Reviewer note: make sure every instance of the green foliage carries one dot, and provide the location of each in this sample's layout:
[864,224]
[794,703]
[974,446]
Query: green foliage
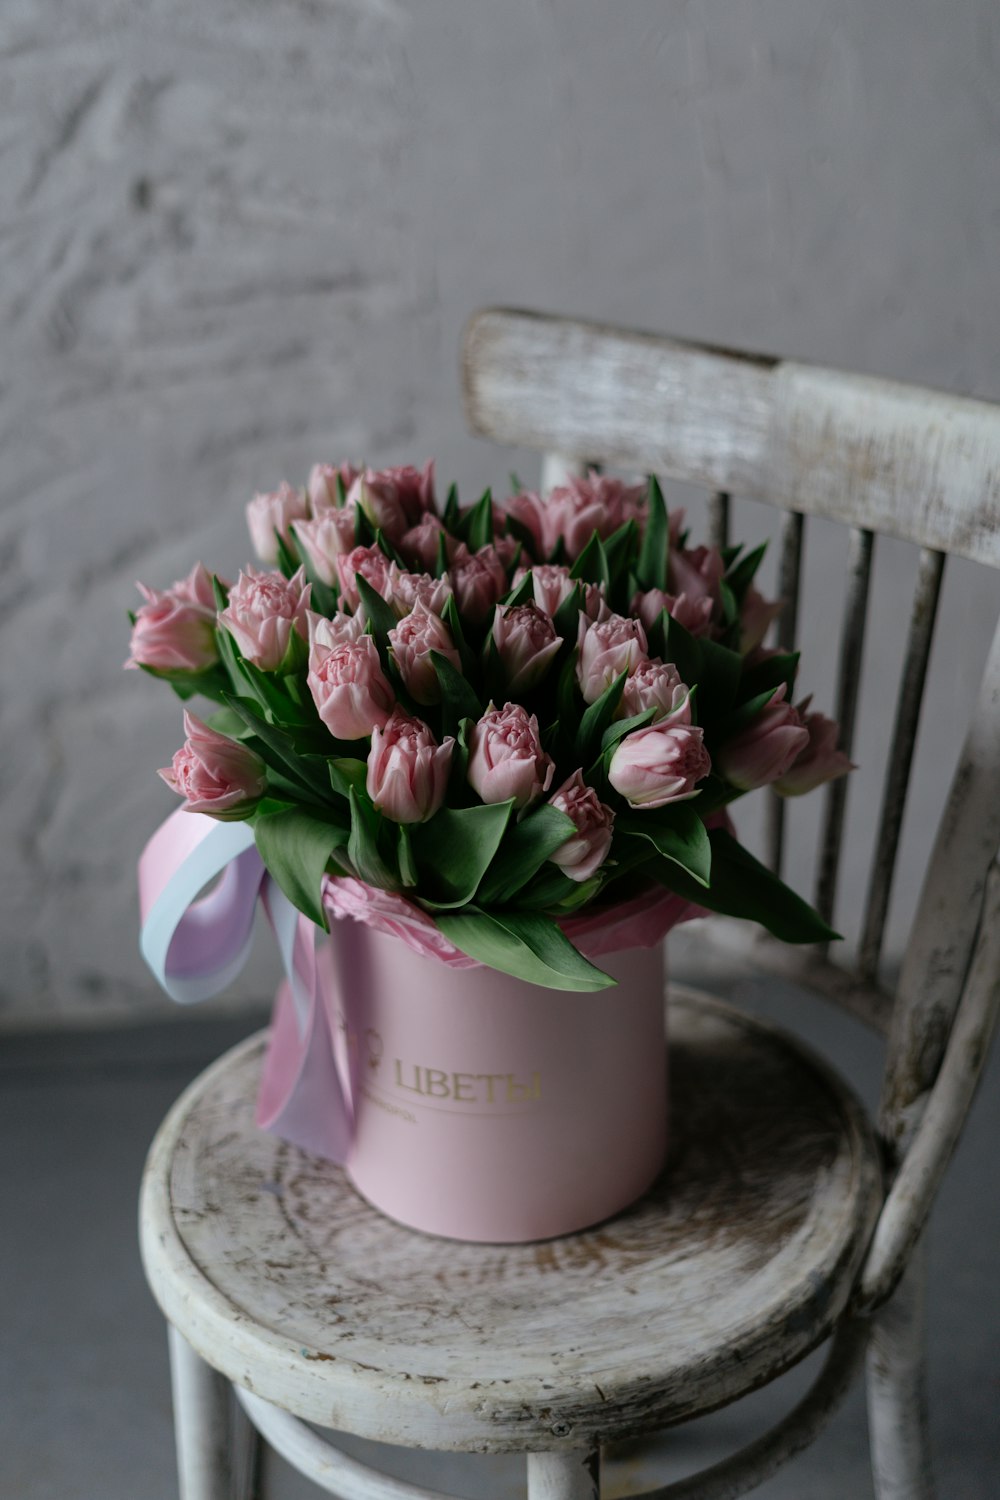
[528,945]
[653,560]
[371,845]
[596,719]
[296,845]
[455,848]
[525,848]
[742,887]
[676,832]
[458,699]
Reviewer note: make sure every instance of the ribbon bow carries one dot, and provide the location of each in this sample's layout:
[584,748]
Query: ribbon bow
[196,945]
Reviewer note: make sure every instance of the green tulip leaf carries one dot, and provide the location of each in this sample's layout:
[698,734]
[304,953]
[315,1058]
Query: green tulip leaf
[455,848]
[295,845]
[525,944]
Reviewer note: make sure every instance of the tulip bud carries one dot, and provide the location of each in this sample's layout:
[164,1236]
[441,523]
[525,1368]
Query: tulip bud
[586,850]
[756,615]
[214,774]
[819,761]
[378,497]
[479,580]
[263,610]
[607,649]
[349,688]
[582,506]
[526,642]
[371,563]
[506,758]
[335,630]
[552,586]
[404,591]
[696,573]
[656,684]
[767,748]
[322,541]
[420,544]
[274,513]
[414,638]
[174,630]
[696,615]
[407,769]
[324,493]
[661,764]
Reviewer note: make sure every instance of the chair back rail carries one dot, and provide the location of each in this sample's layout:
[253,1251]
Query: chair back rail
[880,456]
[877,454]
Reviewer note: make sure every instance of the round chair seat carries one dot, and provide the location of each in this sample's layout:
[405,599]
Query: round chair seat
[737,1262]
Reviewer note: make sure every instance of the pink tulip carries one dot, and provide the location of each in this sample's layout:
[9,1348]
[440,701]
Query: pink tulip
[174,630]
[349,688]
[585,851]
[479,580]
[819,761]
[696,573]
[661,764]
[607,649]
[526,642]
[214,774]
[756,615]
[414,638]
[528,508]
[335,630]
[322,541]
[323,490]
[767,748]
[552,586]
[580,507]
[506,758]
[379,499]
[263,611]
[420,544]
[658,685]
[197,588]
[371,563]
[404,591]
[413,488]
[407,769]
[271,515]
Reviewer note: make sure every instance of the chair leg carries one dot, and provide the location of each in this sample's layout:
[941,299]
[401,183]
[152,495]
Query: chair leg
[897,1396]
[572,1475]
[202,1425]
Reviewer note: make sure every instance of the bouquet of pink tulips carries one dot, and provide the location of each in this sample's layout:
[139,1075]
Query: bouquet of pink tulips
[498,714]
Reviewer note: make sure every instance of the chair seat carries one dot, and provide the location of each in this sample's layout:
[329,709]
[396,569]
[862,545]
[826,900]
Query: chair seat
[737,1262]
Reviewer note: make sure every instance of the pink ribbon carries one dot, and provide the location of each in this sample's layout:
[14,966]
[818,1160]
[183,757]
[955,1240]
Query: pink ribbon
[196,945]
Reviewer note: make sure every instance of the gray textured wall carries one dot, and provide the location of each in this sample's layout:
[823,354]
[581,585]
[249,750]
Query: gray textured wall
[238,238]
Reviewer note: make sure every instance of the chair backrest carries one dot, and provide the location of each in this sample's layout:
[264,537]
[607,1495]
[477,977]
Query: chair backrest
[879,456]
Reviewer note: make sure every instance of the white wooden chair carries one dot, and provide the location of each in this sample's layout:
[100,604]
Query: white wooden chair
[786,1218]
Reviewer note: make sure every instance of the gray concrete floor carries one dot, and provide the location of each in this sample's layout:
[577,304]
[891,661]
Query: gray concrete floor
[84,1393]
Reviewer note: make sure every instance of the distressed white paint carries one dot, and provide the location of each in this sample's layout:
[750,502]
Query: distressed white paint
[897,1393]
[201,1424]
[283,1278]
[913,464]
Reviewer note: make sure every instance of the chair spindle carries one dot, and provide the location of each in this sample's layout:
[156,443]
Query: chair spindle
[789,564]
[859,561]
[911,689]
[718,519]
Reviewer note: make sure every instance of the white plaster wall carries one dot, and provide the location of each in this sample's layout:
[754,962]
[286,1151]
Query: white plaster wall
[240,237]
